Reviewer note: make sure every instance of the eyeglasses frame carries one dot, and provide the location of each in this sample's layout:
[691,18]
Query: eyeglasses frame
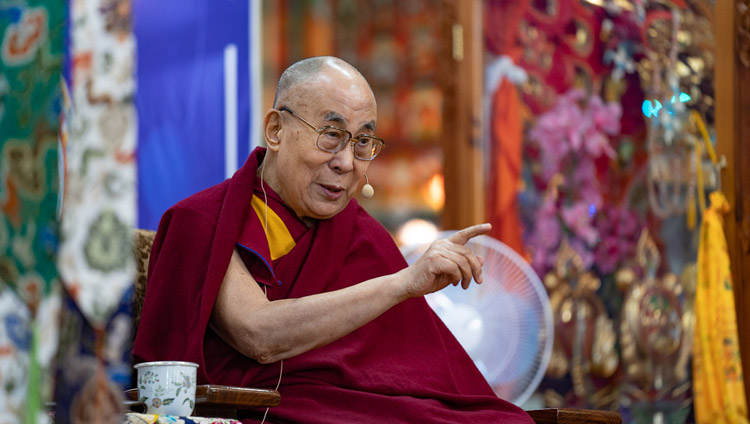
[343,145]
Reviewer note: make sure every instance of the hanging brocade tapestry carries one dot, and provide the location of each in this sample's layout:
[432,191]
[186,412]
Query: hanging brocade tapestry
[31,56]
[98,214]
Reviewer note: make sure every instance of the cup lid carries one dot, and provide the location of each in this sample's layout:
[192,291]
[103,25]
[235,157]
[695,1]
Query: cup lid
[165,364]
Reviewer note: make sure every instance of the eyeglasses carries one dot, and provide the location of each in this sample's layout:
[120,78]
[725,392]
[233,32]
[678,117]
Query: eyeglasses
[333,139]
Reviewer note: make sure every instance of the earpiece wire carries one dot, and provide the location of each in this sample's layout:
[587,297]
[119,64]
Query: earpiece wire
[265,289]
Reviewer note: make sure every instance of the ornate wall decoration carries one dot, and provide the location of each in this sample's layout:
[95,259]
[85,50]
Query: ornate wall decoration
[585,337]
[677,72]
[655,331]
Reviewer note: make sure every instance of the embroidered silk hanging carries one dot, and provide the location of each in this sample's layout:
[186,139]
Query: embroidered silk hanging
[31,56]
[96,261]
[717,367]
[99,203]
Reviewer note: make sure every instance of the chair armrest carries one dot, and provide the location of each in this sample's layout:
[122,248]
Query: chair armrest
[570,416]
[225,401]
[239,397]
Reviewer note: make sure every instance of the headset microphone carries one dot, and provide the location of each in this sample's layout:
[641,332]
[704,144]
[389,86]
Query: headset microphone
[367,190]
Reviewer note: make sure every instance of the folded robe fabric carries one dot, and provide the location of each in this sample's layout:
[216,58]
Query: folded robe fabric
[404,366]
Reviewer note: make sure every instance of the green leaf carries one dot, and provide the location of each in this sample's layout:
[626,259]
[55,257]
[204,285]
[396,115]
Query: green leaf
[143,399]
[178,391]
[168,401]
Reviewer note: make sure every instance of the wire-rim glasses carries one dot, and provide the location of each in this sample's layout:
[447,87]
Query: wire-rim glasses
[333,139]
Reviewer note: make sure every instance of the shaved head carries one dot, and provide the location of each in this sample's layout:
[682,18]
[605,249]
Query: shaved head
[305,71]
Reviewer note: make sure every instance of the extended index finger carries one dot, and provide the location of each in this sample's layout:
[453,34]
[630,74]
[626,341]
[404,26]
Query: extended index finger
[462,236]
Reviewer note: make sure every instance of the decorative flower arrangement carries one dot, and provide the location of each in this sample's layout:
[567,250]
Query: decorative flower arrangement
[619,229]
[573,143]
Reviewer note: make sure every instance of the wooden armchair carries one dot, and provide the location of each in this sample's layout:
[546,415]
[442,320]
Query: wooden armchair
[225,401]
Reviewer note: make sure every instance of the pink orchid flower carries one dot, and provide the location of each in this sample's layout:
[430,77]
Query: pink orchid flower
[578,219]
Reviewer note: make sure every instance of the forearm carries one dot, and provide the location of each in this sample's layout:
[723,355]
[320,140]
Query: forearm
[289,327]
[269,331]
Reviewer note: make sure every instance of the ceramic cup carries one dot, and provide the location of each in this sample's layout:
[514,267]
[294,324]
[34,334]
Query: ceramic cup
[167,387]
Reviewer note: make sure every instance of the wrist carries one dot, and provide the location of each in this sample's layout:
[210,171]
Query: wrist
[400,283]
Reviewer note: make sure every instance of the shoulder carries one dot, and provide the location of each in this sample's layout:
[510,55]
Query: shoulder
[371,237]
[366,225]
[204,205]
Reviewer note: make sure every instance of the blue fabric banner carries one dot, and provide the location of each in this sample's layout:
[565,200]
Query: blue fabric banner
[194,97]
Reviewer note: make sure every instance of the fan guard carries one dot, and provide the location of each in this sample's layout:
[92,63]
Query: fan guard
[504,324]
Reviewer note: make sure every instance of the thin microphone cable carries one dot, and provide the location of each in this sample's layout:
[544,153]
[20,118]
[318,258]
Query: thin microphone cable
[265,289]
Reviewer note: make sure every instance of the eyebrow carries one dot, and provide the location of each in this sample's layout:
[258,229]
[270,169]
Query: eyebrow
[335,117]
[370,126]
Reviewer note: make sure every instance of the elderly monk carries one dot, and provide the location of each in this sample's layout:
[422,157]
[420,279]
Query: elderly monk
[277,273]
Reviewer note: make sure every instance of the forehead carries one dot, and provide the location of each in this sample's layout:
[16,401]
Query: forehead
[333,95]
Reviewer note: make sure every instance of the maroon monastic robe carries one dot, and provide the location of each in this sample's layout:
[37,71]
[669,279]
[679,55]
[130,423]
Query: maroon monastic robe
[403,367]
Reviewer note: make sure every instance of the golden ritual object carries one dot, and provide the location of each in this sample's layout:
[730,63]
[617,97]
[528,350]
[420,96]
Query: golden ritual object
[653,327]
[584,333]
[677,69]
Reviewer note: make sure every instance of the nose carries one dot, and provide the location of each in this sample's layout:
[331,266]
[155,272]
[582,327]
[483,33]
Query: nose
[343,160]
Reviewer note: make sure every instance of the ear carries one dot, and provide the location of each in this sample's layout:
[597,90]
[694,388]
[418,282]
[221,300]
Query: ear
[272,129]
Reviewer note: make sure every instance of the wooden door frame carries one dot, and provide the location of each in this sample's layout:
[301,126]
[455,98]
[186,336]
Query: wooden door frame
[461,77]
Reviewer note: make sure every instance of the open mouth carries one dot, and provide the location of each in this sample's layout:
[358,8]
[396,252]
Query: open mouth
[332,188]
[332,192]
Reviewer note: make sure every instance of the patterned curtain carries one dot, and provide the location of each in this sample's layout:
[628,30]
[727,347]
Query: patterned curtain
[31,57]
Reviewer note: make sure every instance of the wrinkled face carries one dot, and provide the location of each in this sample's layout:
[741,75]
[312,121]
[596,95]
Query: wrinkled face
[312,182]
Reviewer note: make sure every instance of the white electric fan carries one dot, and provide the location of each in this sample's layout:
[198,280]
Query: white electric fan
[505,324]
